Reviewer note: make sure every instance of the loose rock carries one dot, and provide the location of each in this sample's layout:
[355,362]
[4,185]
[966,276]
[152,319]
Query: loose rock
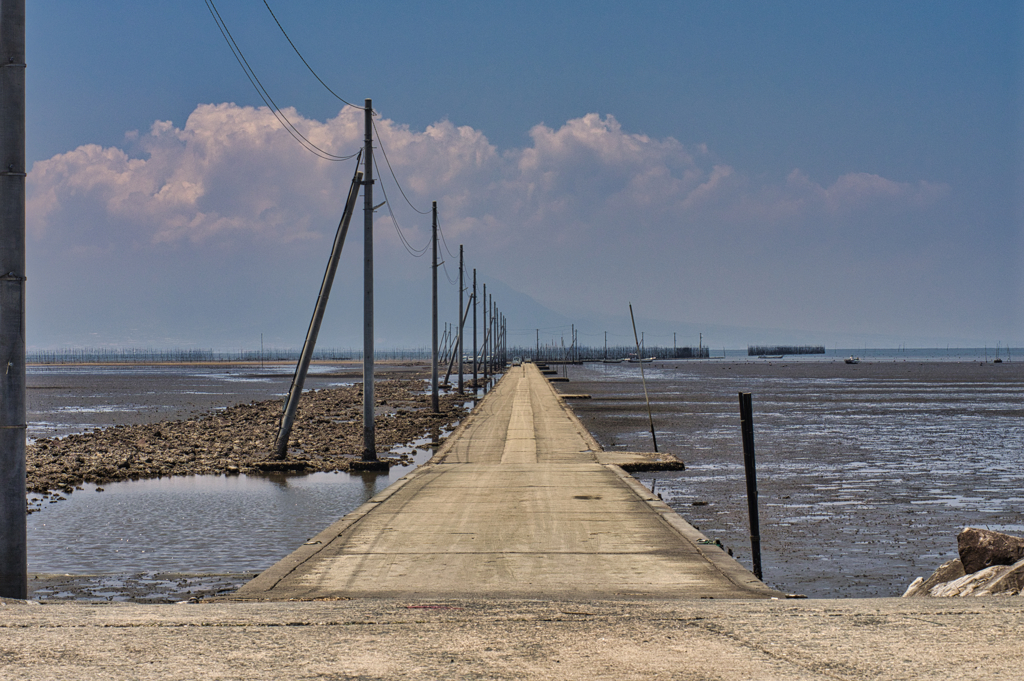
[980,549]
[238,439]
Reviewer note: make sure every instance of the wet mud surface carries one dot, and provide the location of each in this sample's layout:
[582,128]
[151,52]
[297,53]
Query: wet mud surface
[865,472]
[143,587]
[327,436]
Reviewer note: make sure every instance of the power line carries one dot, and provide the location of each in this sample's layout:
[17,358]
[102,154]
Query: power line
[380,143]
[285,33]
[414,252]
[454,281]
[262,91]
[441,232]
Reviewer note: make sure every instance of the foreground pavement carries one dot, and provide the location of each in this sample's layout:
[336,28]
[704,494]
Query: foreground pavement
[516,639]
[518,503]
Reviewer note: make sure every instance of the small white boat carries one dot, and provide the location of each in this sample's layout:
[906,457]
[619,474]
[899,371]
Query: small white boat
[852,360]
[633,359]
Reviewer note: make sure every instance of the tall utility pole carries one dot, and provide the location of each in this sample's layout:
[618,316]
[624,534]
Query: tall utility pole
[483,353]
[369,432]
[474,331]
[462,316]
[433,326]
[13,536]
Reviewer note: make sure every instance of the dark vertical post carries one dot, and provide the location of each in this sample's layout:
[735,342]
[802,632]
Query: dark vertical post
[462,317]
[483,353]
[13,536]
[475,350]
[369,431]
[747,426]
[433,325]
[643,379]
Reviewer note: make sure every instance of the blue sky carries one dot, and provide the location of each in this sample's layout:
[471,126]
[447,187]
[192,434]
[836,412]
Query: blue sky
[830,172]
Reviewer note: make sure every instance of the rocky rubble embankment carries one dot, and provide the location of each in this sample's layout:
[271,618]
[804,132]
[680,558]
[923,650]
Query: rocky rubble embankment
[327,436]
[989,563]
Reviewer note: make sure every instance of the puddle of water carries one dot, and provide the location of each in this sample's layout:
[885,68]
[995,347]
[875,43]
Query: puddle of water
[212,524]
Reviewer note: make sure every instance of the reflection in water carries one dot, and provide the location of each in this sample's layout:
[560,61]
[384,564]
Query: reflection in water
[214,524]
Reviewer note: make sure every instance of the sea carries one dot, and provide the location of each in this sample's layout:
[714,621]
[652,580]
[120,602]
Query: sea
[864,479]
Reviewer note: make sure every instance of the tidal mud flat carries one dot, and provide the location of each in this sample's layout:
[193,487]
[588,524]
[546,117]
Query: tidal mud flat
[866,472]
[327,435]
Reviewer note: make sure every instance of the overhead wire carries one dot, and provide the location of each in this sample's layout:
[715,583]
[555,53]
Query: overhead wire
[454,281]
[380,143]
[414,252]
[264,94]
[443,241]
[326,87]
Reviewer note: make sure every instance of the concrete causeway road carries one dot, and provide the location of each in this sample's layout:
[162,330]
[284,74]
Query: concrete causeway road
[520,502]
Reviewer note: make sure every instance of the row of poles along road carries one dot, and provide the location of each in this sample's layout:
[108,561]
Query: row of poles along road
[492,352]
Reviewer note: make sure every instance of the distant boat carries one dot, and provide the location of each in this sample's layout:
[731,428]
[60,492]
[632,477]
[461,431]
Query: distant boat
[611,361]
[770,356]
[852,360]
[632,359]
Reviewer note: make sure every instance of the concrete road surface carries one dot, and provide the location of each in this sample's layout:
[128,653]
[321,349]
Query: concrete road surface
[517,504]
[728,640]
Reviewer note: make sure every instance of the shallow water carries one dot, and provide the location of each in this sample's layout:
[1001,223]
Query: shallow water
[866,473]
[66,399]
[216,524]
[201,524]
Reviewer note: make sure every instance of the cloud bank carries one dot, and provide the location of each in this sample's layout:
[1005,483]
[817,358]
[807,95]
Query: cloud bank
[233,171]
[585,215]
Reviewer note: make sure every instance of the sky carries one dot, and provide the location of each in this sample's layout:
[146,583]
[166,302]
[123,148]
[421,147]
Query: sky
[843,173]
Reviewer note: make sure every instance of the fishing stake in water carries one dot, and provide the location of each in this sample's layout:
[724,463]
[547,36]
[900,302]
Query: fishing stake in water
[747,427]
[640,358]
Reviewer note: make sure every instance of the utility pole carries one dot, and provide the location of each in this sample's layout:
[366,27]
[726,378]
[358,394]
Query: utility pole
[433,325]
[13,533]
[537,356]
[606,345]
[462,317]
[673,345]
[474,332]
[369,431]
[483,351]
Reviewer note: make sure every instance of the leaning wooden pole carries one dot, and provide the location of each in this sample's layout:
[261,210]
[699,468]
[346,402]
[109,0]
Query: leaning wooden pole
[291,405]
